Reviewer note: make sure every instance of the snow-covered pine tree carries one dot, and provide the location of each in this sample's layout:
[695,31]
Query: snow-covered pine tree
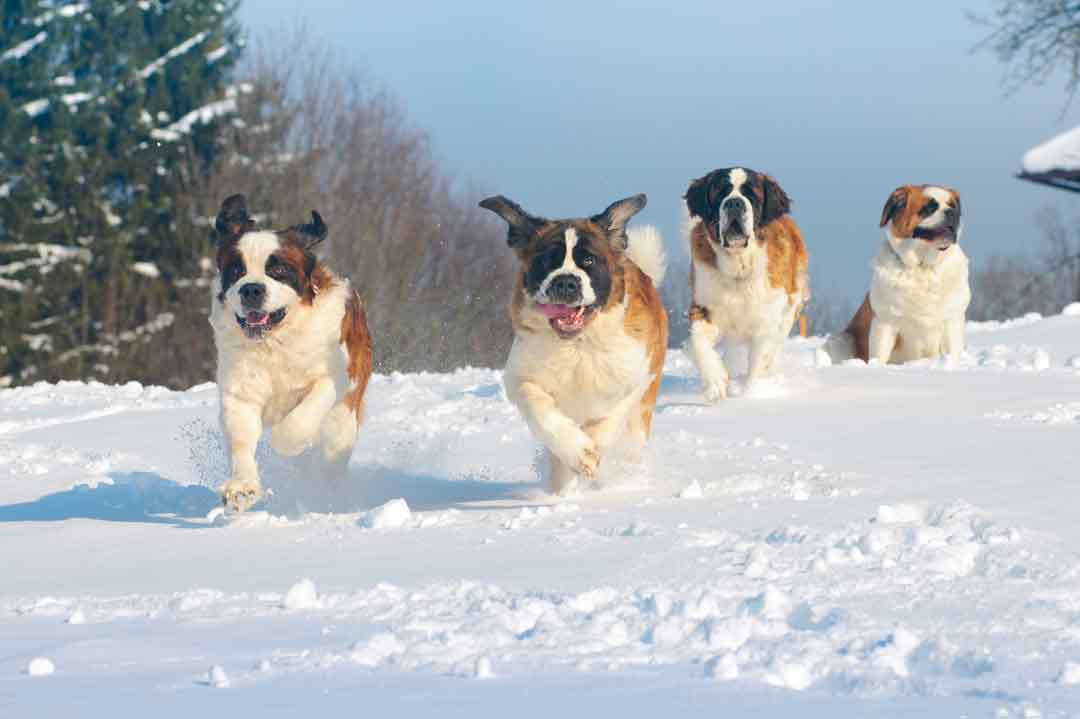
[110,113]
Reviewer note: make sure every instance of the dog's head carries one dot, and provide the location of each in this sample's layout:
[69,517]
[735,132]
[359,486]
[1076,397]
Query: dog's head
[571,268]
[922,221]
[264,275]
[733,203]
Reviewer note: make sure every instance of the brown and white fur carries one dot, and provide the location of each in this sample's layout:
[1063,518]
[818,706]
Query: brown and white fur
[748,274]
[293,349]
[590,333]
[919,290]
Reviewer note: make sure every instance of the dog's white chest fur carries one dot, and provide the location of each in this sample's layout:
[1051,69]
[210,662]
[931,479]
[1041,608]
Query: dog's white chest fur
[276,372]
[586,377]
[737,295]
[922,301]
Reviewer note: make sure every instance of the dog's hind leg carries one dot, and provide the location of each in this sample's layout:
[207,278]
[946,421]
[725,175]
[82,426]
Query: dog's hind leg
[299,429]
[337,435]
[604,431]
[763,354]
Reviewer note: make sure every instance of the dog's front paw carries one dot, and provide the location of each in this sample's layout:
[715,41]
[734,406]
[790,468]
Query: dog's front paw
[588,461]
[714,390]
[238,495]
[578,451]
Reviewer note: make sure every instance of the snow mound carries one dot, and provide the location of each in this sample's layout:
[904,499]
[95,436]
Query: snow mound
[217,678]
[392,515]
[40,667]
[1061,152]
[302,595]
[1070,673]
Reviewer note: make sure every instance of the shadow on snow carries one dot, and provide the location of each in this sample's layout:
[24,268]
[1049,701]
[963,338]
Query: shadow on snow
[131,497]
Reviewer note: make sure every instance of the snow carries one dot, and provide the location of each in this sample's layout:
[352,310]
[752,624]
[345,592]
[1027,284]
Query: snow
[1061,152]
[75,98]
[24,47]
[217,678]
[1070,673]
[200,115]
[175,52]
[65,11]
[72,10]
[36,107]
[302,595]
[216,54]
[392,515]
[146,269]
[859,541]
[40,667]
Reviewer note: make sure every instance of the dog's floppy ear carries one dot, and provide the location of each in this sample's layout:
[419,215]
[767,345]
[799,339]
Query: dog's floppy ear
[776,203]
[956,199]
[522,224]
[697,197]
[233,219]
[312,233]
[615,217]
[896,202]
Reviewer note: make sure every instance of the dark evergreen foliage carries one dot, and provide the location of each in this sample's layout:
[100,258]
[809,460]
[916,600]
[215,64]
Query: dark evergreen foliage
[110,113]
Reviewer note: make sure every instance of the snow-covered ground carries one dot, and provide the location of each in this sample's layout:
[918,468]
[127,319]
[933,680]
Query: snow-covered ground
[851,542]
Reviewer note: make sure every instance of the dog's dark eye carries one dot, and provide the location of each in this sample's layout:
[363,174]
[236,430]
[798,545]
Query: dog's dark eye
[588,261]
[929,208]
[277,271]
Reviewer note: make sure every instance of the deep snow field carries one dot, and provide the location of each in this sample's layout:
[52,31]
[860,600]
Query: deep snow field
[850,541]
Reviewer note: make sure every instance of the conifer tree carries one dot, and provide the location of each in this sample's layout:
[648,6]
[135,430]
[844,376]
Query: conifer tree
[110,114]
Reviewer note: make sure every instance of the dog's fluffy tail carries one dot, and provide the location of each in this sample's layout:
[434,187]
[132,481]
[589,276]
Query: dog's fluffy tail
[646,250]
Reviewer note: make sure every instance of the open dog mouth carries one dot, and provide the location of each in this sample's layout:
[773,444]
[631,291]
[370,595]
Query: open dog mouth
[256,322]
[733,237]
[567,320]
[944,236]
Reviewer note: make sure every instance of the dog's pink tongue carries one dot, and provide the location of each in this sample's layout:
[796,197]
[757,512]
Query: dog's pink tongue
[256,318]
[556,312]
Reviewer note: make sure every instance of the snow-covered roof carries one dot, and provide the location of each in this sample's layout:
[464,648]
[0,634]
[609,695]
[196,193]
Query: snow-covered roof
[1060,153]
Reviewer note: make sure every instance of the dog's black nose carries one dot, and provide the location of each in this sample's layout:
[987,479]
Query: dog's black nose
[565,289]
[734,206]
[252,294]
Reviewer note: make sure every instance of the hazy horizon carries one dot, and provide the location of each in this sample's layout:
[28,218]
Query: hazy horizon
[566,107]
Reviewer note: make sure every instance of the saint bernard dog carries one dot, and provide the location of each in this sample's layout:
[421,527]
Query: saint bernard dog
[293,349]
[919,290]
[748,276]
[590,333]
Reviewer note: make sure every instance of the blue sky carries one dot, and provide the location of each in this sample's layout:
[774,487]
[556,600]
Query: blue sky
[566,106]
